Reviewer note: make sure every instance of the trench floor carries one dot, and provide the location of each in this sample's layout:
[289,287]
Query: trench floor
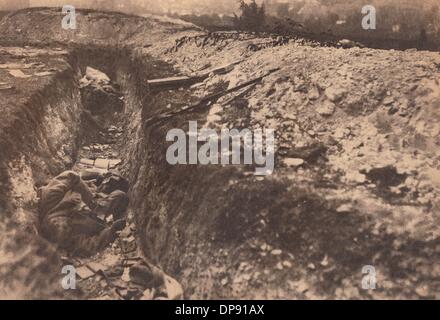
[105,276]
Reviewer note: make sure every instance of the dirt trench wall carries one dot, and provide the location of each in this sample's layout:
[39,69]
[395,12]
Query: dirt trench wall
[39,141]
[199,223]
[42,139]
[220,232]
[178,209]
[225,233]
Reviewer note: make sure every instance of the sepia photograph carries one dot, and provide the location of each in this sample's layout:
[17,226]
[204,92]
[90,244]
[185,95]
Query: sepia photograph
[219,150]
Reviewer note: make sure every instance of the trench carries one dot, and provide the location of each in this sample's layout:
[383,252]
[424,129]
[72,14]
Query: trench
[63,119]
[189,221]
[112,133]
[179,223]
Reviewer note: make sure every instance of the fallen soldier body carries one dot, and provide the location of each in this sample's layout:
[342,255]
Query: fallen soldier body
[68,213]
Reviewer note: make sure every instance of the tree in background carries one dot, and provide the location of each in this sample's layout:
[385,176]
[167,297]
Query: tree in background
[252,17]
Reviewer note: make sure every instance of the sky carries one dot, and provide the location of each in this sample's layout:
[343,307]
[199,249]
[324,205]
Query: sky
[209,6]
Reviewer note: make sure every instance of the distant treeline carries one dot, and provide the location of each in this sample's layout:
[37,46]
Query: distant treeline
[392,22]
[397,27]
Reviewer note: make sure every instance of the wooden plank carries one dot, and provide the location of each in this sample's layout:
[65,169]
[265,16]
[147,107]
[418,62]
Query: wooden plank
[168,81]
[174,82]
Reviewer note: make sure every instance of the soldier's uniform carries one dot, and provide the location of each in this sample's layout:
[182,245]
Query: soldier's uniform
[68,217]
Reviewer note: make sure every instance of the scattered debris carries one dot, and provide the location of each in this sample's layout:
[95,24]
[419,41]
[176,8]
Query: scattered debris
[293,162]
[17,73]
[325,261]
[356,177]
[276,252]
[114,163]
[5,86]
[16,66]
[126,275]
[87,162]
[388,101]
[43,74]
[96,266]
[335,93]
[314,93]
[345,208]
[327,108]
[102,163]
[97,76]
[84,272]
